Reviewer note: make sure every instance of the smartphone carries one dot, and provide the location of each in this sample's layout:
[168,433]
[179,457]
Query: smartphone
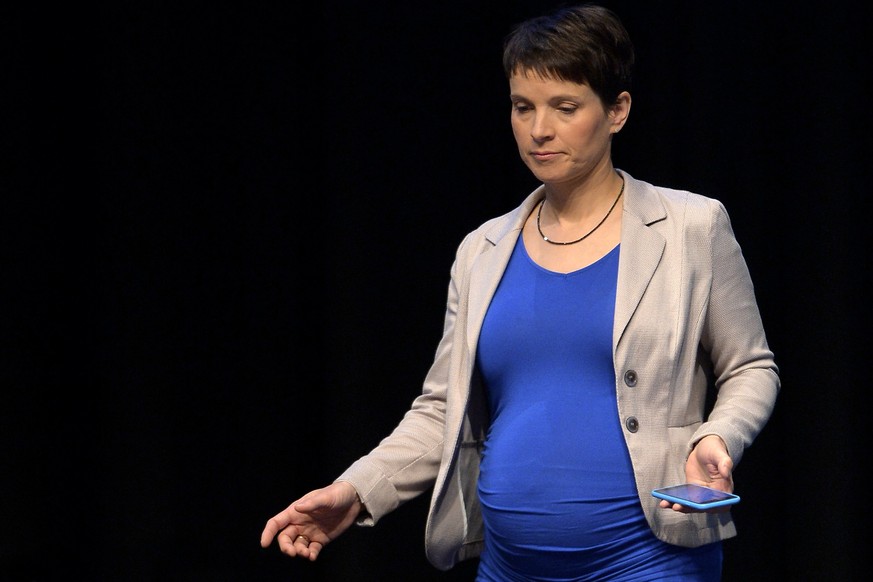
[696,496]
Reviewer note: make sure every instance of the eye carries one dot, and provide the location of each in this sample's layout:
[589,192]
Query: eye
[520,107]
[567,109]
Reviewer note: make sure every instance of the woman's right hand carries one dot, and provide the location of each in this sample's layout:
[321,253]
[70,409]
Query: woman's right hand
[313,521]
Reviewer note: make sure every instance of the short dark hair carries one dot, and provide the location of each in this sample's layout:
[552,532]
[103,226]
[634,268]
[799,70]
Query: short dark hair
[585,44]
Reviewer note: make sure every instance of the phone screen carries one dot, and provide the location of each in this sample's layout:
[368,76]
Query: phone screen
[695,495]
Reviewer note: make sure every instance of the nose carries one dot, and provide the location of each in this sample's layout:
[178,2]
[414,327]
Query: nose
[541,129]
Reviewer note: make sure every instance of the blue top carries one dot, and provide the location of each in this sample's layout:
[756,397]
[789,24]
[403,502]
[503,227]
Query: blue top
[556,485]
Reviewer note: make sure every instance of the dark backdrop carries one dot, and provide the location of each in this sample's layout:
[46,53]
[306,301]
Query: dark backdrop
[227,233]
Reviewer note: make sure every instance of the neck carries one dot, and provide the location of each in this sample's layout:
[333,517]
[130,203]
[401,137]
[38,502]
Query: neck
[578,201]
[566,225]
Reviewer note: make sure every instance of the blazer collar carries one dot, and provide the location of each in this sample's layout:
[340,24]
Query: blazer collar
[640,202]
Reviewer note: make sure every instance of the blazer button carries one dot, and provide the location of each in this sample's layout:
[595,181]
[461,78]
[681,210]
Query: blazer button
[632,423]
[630,378]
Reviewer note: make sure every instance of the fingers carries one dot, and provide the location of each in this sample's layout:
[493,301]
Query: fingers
[677,507]
[312,521]
[288,530]
[270,530]
[276,524]
[296,544]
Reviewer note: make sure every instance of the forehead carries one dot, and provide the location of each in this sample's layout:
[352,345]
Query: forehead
[531,84]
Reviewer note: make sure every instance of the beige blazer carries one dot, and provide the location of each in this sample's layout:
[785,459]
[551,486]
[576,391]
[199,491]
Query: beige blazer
[685,318]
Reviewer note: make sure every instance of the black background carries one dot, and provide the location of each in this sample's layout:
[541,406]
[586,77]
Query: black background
[226,238]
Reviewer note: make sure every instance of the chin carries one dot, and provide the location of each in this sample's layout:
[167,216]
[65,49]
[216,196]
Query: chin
[548,177]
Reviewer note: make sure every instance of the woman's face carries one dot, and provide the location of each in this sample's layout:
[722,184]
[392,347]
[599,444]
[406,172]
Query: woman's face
[562,129]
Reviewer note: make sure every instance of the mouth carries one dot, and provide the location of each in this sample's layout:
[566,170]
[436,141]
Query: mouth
[542,156]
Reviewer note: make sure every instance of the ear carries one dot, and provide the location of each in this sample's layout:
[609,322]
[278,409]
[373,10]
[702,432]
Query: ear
[619,112]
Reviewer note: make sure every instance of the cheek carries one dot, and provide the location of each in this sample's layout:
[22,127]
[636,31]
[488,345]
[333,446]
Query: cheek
[586,132]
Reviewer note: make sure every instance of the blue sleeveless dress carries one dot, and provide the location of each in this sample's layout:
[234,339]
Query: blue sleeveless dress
[556,485]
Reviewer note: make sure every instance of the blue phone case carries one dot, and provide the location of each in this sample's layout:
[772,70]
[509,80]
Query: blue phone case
[696,496]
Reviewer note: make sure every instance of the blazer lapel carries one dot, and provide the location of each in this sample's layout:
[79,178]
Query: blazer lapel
[641,250]
[489,265]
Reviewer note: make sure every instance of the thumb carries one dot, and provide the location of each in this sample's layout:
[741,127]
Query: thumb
[725,468]
[312,502]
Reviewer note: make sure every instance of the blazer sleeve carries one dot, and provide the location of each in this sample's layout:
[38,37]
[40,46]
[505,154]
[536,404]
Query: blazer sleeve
[745,373]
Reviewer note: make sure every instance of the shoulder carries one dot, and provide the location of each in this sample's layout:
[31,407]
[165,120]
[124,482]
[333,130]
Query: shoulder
[654,204]
[492,231]
[646,193]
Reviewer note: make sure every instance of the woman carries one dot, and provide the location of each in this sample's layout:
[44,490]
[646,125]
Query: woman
[584,331]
